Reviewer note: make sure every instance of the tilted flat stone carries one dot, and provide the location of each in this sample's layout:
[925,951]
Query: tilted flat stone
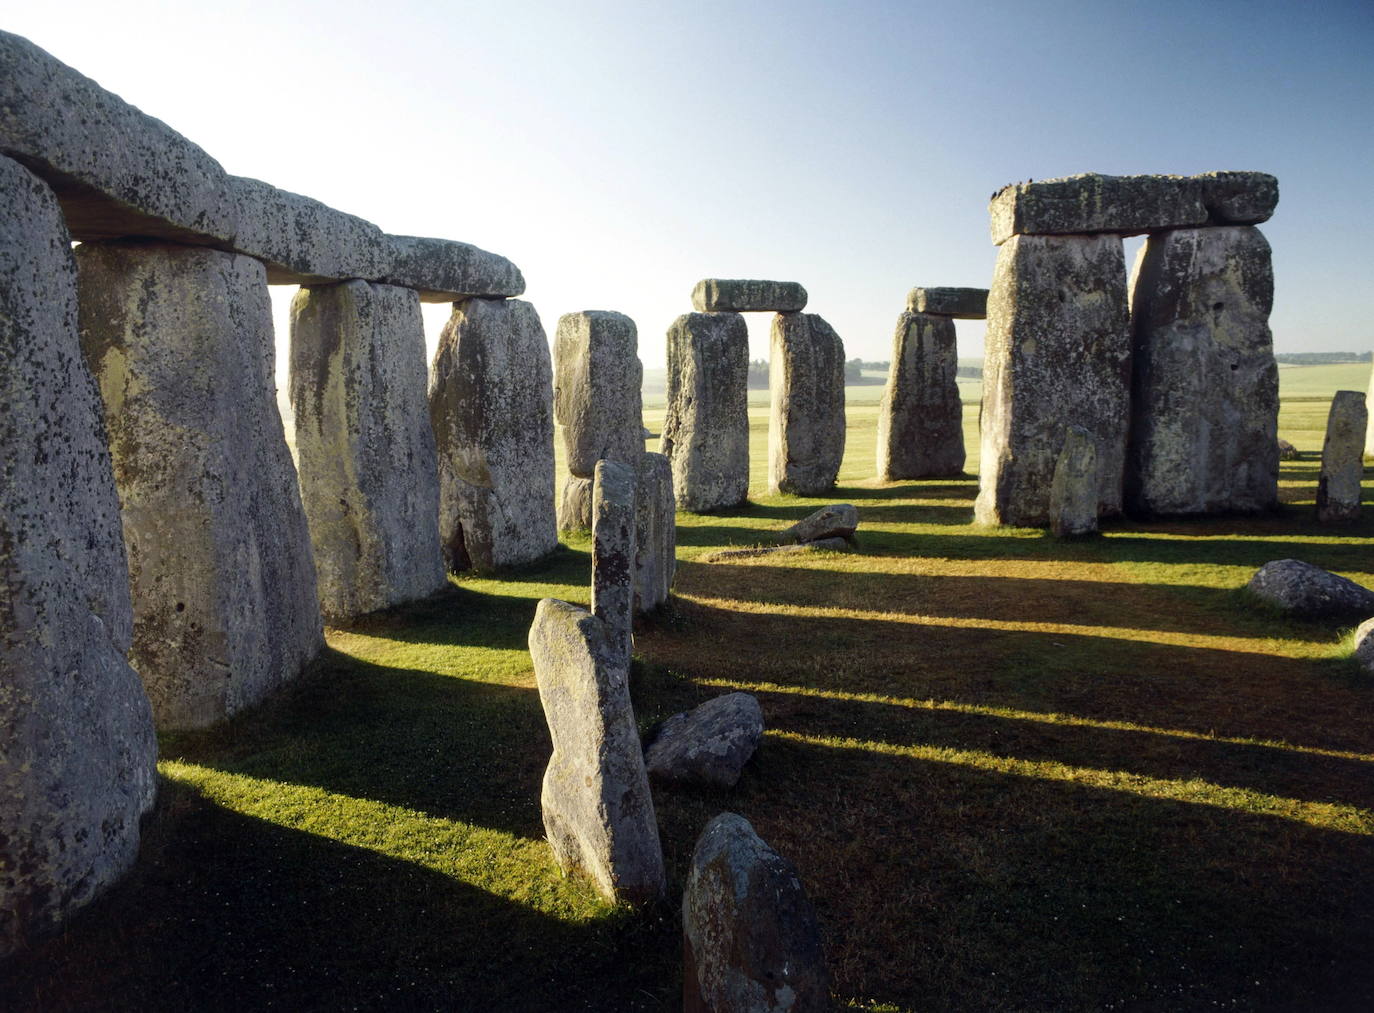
[491,406]
[1338,487]
[707,745]
[613,552]
[741,295]
[443,270]
[596,389]
[1364,646]
[920,417]
[77,748]
[365,449]
[806,422]
[833,544]
[1073,492]
[1238,198]
[1057,354]
[598,812]
[180,341]
[750,937]
[1204,383]
[706,430]
[1309,592]
[959,303]
[575,504]
[655,531]
[1091,202]
[838,520]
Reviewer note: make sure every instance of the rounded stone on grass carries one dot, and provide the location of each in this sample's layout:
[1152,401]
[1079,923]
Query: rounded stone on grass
[1364,646]
[1309,592]
[708,745]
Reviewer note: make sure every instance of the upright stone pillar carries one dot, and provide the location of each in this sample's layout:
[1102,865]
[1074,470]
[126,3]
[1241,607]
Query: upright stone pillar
[225,608]
[655,531]
[1338,488]
[77,749]
[1369,412]
[920,418]
[1205,386]
[806,423]
[369,477]
[1058,354]
[491,405]
[706,431]
[613,552]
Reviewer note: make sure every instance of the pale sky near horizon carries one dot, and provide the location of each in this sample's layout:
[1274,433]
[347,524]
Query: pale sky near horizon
[618,152]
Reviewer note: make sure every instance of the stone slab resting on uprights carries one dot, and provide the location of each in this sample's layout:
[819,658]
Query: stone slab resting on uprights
[747,295]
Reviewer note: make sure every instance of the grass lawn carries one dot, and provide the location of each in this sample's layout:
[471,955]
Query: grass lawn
[1013,772]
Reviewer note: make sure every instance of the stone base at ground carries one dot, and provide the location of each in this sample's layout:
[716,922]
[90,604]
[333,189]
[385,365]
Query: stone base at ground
[1073,493]
[1338,487]
[920,418]
[806,423]
[575,504]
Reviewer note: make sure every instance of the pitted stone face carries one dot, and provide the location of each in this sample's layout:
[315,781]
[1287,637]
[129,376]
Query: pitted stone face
[740,295]
[1073,493]
[921,418]
[806,421]
[1338,488]
[959,303]
[1091,203]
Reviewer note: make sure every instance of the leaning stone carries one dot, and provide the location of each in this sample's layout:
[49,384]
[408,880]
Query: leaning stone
[1238,198]
[1338,488]
[838,520]
[225,609]
[491,405]
[1058,353]
[806,423]
[737,295]
[596,389]
[598,813]
[708,745]
[575,504]
[1309,592]
[750,937]
[1364,646]
[613,551]
[1288,452]
[301,240]
[920,417]
[1205,386]
[77,748]
[1091,203]
[1073,493]
[443,270]
[706,431]
[655,531]
[958,303]
[365,449]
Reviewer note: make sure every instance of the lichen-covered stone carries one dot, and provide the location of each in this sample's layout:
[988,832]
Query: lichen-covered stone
[706,430]
[1204,383]
[491,405]
[598,813]
[1238,198]
[1073,492]
[655,531]
[365,448]
[806,423]
[613,552]
[750,937]
[838,520]
[957,303]
[443,270]
[77,749]
[180,341]
[1091,203]
[302,240]
[741,295]
[920,417]
[1309,592]
[1057,354]
[575,504]
[1338,487]
[596,389]
[707,745]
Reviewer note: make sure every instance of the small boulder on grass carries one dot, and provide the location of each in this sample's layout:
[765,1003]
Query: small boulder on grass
[839,520]
[1364,646]
[1309,592]
[709,745]
[1287,452]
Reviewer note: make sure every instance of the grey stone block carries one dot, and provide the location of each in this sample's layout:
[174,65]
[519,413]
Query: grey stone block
[1091,203]
[1073,491]
[596,389]
[806,421]
[742,295]
[443,270]
[838,520]
[920,417]
[655,531]
[613,552]
[1338,487]
[299,239]
[575,504]
[1309,592]
[709,744]
[1238,198]
[959,303]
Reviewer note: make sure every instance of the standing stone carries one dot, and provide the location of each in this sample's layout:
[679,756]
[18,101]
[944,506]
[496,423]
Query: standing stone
[491,405]
[369,477]
[655,531]
[1205,386]
[613,552]
[1369,412]
[806,424]
[750,938]
[575,504]
[1338,488]
[596,391]
[1364,646]
[225,608]
[706,430]
[77,749]
[920,418]
[598,813]
[1073,493]
[1058,354]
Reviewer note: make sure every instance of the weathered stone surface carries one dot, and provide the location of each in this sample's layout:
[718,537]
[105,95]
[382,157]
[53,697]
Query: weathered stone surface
[707,745]
[365,448]
[613,552]
[706,431]
[1364,646]
[1091,202]
[920,417]
[596,389]
[1204,384]
[1338,488]
[443,270]
[1309,592]
[575,504]
[838,520]
[806,423]
[740,295]
[1238,198]
[750,937]
[598,813]
[1287,452]
[180,341]
[300,239]
[1073,492]
[655,531]
[77,749]
[958,303]
[491,405]
[1057,354]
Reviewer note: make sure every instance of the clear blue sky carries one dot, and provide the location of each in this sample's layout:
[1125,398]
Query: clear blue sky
[620,151]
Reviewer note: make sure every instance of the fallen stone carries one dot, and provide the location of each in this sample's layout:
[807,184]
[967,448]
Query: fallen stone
[365,449]
[575,504]
[1205,386]
[1338,487]
[1058,353]
[737,295]
[819,545]
[957,303]
[920,417]
[838,520]
[706,431]
[1364,646]
[655,531]
[596,389]
[598,812]
[1073,493]
[806,422]
[1238,198]
[750,937]
[1309,592]
[443,270]
[77,748]
[491,406]
[1092,203]
[708,745]
[180,341]
[1288,452]
[613,552]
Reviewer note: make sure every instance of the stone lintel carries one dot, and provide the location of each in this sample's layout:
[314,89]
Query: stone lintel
[959,303]
[742,295]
